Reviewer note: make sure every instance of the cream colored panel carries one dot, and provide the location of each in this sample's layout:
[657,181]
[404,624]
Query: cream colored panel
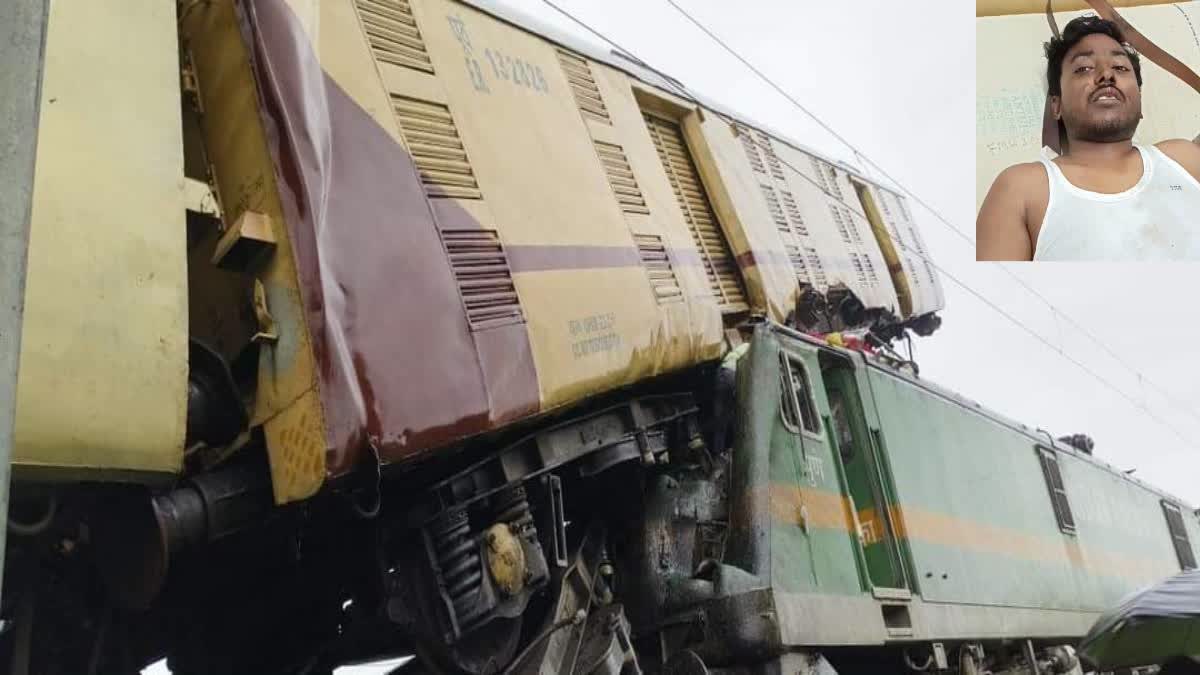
[296,446]
[544,185]
[346,57]
[103,378]
[539,174]
[700,317]
[601,131]
[336,32]
[922,276]
[680,159]
[695,326]
[840,249]
[529,149]
[824,250]
[245,175]
[413,83]
[1011,84]
[737,195]
[867,273]
[590,346]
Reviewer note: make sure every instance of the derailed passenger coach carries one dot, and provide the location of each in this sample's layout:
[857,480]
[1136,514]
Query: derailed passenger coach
[380,327]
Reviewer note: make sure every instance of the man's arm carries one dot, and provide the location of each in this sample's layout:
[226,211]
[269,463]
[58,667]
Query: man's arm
[1001,233]
[1185,152]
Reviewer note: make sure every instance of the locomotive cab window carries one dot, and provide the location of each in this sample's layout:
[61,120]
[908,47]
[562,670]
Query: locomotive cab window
[1183,547]
[1058,491]
[799,411]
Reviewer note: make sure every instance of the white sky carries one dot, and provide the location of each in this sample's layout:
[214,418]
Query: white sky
[897,80]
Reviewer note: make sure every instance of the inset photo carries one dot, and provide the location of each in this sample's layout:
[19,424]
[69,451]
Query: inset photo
[1087,117]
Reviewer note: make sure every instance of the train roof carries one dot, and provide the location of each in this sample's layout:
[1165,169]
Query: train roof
[1035,434]
[644,72]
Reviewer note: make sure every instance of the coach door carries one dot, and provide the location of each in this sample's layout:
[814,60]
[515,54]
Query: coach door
[865,480]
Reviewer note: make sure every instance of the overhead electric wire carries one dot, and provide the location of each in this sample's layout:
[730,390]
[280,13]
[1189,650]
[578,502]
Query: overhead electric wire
[966,238]
[1108,350]
[684,92]
[782,92]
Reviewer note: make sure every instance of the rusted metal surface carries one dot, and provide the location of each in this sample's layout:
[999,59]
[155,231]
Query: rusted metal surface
[22,48]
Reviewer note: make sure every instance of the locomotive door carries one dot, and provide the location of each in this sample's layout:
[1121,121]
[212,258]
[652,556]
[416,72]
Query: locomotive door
[857,451]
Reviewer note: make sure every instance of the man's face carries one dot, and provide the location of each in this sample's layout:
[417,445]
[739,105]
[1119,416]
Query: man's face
[1100,99]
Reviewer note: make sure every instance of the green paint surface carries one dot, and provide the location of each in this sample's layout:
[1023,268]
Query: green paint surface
[820,559]
[951,459]
[996,541]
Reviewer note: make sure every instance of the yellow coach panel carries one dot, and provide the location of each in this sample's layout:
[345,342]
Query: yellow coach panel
[545,183]
[696,318]
[103,371]
[285,402]
[919,275]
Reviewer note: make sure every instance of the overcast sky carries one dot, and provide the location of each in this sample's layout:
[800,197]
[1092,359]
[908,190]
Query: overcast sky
[897,80]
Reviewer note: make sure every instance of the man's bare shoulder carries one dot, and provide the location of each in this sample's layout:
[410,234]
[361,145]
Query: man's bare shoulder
[1018,183]
[1022,175]
[1178,145]
[1183,151]
[1003,230]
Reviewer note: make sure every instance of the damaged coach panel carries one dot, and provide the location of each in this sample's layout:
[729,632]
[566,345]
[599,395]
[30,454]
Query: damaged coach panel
[508,218]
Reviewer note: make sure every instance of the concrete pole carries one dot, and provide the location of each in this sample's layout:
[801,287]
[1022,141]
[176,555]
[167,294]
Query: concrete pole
[22,53]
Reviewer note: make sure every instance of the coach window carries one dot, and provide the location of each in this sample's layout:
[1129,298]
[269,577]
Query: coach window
[1183,547]
[1058,492]
[797,406]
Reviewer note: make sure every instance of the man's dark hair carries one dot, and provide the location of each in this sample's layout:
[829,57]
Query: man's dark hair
[1076,30]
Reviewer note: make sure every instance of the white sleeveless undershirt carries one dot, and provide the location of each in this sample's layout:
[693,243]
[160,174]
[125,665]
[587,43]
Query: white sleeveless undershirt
[1156,219]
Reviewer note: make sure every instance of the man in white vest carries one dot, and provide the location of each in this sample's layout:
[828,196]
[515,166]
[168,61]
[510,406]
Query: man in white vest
[1105,197]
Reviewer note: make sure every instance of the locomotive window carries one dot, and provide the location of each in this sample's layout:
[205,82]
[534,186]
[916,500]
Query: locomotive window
[1183,547]
[787,407]
[1058,492]
[841,425]
[796,405]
